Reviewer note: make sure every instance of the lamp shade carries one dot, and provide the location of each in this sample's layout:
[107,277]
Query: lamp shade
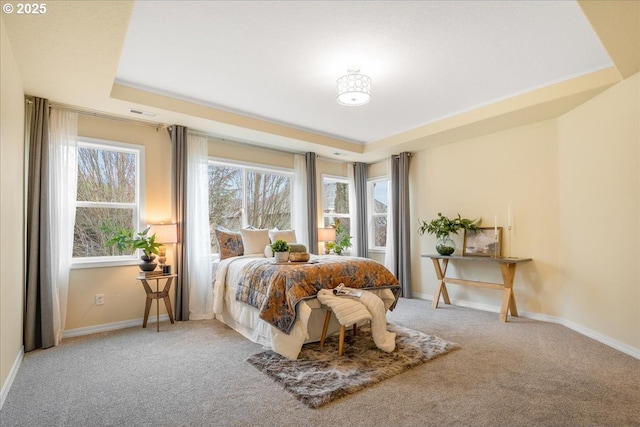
[326,234]
[165,233]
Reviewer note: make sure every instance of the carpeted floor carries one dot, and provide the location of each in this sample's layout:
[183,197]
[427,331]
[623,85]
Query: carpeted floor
[522,373]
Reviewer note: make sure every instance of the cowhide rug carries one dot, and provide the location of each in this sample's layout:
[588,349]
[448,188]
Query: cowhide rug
[318,376]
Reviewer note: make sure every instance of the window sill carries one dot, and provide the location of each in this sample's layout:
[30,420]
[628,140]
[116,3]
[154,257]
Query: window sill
[78,265]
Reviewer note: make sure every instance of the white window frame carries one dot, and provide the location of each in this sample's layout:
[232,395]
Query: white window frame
[247,167]
[340,179]
[371,213]
[138,205]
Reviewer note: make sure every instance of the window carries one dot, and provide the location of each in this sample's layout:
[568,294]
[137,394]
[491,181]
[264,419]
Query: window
[335,202]
[378,204]
[108,197]
[242,196]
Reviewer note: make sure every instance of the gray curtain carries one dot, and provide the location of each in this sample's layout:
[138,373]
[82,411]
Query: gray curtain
[401,220]
[38,319]
[312,202]
[361,232]
[179,190]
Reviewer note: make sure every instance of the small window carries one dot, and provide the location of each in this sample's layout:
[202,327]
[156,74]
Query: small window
[378,198]
[108,198]
[335,202]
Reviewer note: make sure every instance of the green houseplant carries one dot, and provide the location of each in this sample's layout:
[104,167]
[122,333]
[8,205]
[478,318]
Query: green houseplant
[126,240]
[442,227]
[281,250]
[343,239]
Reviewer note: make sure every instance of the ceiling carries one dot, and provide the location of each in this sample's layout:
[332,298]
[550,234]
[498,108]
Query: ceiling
[265,72]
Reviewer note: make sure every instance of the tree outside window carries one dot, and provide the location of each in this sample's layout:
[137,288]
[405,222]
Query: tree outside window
[242,196]
[108,196]
[378,208]
[335,202]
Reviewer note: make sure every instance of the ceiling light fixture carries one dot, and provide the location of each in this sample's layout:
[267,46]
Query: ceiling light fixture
[354,88]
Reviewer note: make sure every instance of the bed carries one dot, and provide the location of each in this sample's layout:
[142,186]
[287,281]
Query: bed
[275,305]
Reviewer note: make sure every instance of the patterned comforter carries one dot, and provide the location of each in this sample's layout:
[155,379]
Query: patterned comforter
[276,289]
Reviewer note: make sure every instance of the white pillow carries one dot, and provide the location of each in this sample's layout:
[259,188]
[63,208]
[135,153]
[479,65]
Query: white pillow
[288,236]
[254,241]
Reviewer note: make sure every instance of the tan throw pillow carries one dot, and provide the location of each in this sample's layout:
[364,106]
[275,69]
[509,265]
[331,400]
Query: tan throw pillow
[229,243]
[254,241]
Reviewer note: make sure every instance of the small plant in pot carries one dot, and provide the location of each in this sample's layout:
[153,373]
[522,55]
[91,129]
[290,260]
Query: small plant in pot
[126,240]
[281,250]
[442,227]
[343,239]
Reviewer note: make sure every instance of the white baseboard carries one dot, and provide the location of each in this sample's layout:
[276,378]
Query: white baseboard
[620,346]
[105,327]
[4,392]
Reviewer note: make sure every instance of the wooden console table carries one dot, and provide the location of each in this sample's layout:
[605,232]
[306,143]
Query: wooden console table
[507,267]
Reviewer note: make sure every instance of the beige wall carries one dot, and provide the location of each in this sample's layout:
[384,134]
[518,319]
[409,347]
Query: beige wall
[12,213]
[124,297]
[572,184]
[599,184]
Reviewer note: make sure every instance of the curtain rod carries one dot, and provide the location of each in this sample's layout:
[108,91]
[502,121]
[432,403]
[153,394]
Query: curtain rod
[99,114]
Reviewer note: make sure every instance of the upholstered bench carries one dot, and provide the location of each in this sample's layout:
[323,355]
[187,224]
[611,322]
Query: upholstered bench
[348,311]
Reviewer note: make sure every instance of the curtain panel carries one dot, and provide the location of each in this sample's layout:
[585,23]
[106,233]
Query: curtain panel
[299,211]
[179,168]
[38,321]
[312,202]
[63,187]
[360,192]
[401,221]
[197,230]
[51,193]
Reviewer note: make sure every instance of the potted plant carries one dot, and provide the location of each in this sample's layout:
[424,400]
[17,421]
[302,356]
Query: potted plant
[343,239]
[442,227]
[281,250]
[127,241]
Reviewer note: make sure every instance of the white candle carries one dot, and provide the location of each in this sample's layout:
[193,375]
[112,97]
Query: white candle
[509,216]
[495,225]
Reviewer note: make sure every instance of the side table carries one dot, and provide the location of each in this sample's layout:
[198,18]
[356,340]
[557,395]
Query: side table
[156,295]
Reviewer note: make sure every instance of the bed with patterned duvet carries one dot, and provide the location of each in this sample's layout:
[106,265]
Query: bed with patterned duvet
[275,304]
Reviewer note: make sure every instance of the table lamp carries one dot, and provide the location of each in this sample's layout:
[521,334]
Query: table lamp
[326,234]
[165,233]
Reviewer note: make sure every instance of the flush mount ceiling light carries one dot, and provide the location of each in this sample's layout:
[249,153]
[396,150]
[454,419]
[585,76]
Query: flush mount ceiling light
[354,88]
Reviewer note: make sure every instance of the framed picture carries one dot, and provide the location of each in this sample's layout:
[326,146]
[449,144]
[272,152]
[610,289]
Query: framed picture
[484,242]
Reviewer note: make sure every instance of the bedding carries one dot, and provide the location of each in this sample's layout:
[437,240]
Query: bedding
[276,305]
[275,290]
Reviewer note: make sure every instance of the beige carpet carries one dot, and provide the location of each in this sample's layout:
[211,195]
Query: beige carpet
[522,373]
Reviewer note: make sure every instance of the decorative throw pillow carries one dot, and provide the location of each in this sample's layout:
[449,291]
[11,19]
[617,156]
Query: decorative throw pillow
[288,236]
[229,243]
[254,241]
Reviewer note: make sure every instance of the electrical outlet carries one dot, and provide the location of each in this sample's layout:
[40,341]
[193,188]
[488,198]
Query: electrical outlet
[99,299]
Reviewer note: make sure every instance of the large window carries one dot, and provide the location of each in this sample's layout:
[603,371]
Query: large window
[378,208]
[248,196]
[108,197]
[335,202]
